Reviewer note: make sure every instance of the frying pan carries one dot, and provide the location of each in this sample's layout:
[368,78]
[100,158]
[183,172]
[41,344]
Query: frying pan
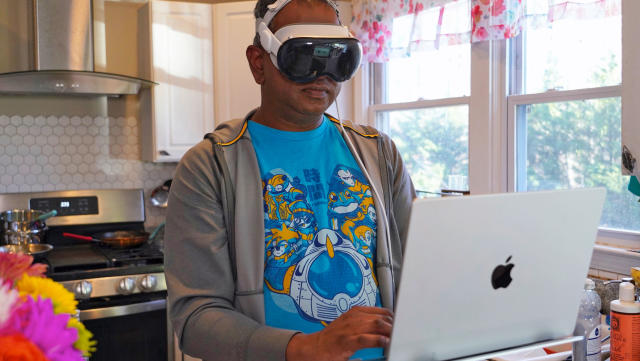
[116,239]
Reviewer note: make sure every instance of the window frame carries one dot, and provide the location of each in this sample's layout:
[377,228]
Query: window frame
[552,96]
[488,146]
[492,130]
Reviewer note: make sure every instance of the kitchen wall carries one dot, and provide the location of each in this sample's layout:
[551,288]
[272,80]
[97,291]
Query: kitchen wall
[65,143]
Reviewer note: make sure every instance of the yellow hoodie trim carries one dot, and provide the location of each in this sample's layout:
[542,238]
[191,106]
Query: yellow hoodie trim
[374,135]
[245,124]
[244,128]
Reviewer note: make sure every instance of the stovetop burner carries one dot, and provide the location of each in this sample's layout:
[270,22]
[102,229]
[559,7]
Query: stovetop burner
[143,255]
[90,261]
[87,257]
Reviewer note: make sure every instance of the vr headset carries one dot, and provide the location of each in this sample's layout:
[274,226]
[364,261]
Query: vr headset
[304,52]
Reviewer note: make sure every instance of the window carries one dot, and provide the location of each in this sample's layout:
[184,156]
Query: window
[434,143]
[541,111]
[565,109]
[423,101]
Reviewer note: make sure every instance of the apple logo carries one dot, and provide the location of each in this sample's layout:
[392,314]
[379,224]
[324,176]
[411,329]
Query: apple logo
[501,276]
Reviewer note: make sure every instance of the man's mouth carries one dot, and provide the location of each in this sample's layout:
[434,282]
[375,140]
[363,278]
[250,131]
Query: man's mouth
[316,91]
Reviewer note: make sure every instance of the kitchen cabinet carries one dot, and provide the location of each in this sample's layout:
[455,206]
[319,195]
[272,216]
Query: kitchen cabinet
[236,91]
[176,113]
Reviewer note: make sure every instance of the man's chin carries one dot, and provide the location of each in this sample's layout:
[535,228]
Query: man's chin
[314,108]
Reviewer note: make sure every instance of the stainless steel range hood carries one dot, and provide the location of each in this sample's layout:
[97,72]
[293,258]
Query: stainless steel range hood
[47,47]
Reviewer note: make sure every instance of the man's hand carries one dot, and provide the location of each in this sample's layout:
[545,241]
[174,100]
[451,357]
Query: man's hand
[360,327]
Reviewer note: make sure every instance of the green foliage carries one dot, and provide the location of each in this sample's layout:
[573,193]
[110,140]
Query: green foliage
[577,144]
[569,145]
[434,144]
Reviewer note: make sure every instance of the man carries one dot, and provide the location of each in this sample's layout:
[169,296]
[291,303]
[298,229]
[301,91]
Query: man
[288,221]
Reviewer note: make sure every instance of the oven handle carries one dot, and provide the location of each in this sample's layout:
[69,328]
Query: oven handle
[124,310]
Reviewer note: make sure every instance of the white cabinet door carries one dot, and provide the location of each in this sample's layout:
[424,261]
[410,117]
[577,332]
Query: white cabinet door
[236,93]
[181,106]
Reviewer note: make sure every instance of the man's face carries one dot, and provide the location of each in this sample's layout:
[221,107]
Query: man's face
[303,98]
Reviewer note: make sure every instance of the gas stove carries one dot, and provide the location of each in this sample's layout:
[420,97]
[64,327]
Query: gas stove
[120,291]
[81,266]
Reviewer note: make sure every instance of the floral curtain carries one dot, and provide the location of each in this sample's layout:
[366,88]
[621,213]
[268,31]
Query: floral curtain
[391,28]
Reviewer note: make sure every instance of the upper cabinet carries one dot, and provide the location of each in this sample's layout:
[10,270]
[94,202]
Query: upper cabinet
[236,91]
[179,111]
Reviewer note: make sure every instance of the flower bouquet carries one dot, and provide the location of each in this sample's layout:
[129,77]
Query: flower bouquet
[37,315]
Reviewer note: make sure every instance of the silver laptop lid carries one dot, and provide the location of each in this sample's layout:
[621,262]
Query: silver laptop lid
[451,304]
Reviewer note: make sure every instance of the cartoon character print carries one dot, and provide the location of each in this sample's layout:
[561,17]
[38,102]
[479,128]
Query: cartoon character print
[314,289]
[284,249]
[303,220]
[304,262]
[289,227]
[351,209]
[279,193]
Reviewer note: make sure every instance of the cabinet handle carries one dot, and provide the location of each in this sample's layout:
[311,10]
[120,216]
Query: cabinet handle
[163,152]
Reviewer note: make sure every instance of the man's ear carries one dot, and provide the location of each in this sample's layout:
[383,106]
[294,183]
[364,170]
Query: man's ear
[255,56]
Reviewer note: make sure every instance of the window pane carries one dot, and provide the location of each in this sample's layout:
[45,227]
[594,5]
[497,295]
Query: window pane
[437,74]
[434,144]
[570,53]
[435,68]
[572,145]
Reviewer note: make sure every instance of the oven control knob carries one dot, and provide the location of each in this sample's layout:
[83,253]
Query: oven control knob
[82,289]
[148,283]
[126,286]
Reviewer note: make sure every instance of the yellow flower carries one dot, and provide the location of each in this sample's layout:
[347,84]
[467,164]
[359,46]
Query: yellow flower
[63,300]
[84,342]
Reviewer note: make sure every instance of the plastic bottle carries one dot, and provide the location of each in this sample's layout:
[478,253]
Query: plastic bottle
[625,325]
[588,324]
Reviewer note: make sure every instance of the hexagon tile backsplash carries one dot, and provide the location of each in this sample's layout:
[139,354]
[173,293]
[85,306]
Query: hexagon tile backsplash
[39,153]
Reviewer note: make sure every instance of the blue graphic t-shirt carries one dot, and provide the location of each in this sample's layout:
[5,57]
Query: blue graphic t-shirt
[320,229]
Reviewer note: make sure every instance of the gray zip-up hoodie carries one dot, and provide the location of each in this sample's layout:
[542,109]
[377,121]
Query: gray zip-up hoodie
[214,240]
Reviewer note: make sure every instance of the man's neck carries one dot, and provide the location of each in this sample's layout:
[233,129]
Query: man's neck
[287,120]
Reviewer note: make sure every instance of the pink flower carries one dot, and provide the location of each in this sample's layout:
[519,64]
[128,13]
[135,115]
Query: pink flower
[8,298]
[379,51]
[481,34]
[419,7]
[13,265]
[36,321]
[498,7]
[476,14]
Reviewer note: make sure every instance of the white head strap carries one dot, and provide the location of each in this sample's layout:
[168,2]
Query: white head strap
[274,9]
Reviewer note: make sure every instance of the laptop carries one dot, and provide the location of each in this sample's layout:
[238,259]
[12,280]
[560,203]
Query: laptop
[492,272]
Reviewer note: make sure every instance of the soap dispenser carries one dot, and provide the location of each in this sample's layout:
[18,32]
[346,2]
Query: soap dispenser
[625,325]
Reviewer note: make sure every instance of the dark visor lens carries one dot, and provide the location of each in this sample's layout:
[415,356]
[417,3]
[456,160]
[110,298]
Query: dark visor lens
[304,59]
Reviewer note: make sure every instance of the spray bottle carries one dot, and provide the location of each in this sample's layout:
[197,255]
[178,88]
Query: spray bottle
[625,325]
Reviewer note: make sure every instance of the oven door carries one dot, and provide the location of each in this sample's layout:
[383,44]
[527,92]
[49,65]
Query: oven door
[128,328]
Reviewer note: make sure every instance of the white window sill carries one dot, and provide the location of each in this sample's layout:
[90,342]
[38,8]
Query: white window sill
[611,252]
